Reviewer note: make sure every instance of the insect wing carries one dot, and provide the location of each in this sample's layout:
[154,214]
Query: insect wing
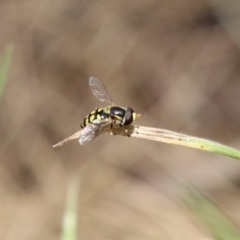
[72,137]
[99,91]
[88,133]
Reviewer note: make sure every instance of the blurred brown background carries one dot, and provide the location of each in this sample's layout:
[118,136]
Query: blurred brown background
[175,62]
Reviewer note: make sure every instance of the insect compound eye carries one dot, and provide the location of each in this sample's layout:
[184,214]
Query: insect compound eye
[128,116]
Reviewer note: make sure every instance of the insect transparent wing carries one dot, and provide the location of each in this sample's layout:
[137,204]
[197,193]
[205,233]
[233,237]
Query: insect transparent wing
[88,133]
[74,136]
[99,91]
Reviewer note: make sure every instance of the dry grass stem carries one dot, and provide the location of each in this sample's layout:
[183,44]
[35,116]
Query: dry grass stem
[149,133]
[161,135]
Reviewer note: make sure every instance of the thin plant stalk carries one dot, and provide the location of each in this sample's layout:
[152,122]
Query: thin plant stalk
[219,225]
[5,60]
[163,135]
[69,222]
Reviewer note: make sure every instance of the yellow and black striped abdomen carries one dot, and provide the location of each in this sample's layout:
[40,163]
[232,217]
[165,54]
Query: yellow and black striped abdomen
[97,114]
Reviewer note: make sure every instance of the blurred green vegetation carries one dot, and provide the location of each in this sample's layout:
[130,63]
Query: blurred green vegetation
[4,66]
[211,216]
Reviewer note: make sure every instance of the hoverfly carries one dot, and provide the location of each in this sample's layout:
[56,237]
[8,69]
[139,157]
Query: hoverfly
[101,117]
[112,114]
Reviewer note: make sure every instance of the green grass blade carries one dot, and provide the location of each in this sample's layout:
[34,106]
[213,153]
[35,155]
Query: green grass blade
[166,136]
[214,147]
[163,135]
[217,223]
[4,66]
[69,224]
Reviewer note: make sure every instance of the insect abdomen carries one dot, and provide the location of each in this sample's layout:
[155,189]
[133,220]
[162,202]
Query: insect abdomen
[97,114]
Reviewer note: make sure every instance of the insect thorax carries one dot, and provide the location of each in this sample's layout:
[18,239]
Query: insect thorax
[97,114]
[122,115]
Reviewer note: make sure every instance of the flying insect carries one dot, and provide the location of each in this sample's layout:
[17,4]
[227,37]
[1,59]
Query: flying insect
[102,117]
[113,114]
